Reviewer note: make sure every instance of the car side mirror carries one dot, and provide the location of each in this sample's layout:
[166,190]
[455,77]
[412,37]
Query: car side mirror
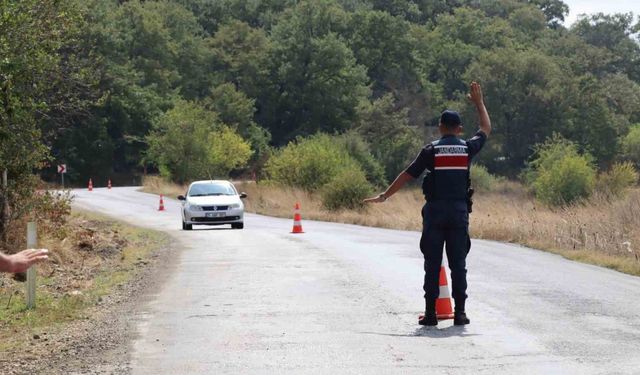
[243,195]
[181,198]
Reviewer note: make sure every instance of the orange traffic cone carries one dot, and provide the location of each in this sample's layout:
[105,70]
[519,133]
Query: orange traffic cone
[443,303]
[297,220]
[90,185]
[161,208]
[109,185]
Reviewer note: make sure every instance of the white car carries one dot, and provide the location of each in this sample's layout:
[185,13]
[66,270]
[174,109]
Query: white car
[212,202]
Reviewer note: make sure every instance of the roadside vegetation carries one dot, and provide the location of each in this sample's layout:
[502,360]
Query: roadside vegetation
[93,262]
[601,229]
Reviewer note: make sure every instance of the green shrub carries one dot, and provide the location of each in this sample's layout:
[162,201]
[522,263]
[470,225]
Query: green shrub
[482,180]
[618,179]
[346,190]
[309,163]
[558,173]
[546,155]
[631,145]
[396,152]
[359,149]
[227,151]
[394,143]
[569,179]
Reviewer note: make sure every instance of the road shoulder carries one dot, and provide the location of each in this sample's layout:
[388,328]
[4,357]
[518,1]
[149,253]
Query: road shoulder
[97,340]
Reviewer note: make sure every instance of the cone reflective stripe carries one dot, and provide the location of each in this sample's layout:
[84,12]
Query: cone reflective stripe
[444,292]
[90,185]
[443,303]
[161,208]
[297,220]
[109,185]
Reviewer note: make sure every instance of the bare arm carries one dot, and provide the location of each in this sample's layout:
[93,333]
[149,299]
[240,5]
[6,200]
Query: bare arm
[477,99]
[396,185]
[21,261]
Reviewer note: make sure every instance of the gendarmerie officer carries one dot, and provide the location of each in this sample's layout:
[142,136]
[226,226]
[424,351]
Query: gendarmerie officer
[445,216]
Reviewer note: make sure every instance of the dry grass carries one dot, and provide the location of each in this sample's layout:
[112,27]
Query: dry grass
[600,231]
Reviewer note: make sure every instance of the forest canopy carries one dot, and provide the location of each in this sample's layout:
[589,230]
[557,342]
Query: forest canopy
[111,79]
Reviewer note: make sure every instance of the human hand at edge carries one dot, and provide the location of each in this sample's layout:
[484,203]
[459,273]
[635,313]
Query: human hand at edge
[21,261]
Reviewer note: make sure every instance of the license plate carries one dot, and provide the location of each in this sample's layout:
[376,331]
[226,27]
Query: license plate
[215,214]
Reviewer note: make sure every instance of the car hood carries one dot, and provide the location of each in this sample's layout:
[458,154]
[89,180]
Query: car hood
[214,200]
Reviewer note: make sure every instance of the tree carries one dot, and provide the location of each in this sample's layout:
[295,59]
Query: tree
[554,10]
[315,82]
[446,52]
[358,148]
[583,58]
[474,27]
[613,32]
[527,96]
[286,68]
[529,21]
[189,142]
[240,56]
[236,110]
[393,142]
[146,54]
[382,43]
[592,122]
[212,14]
[233,106]
[33,35]
[631,145]
[386,45]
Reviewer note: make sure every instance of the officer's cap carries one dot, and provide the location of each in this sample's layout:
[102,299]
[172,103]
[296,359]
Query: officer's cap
[450,119]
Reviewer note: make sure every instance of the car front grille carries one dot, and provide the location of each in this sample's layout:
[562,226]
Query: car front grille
[215,208]
[214,219]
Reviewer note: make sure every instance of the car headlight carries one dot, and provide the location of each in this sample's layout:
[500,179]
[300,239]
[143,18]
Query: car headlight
[195,208]
[234,205]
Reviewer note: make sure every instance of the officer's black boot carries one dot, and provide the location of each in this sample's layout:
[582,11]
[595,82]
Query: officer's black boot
[459,316]
[429,318]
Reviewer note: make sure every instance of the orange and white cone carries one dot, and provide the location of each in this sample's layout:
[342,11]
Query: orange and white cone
[161,207]
[90,185]
[297,220]
[443,303]
[109,185]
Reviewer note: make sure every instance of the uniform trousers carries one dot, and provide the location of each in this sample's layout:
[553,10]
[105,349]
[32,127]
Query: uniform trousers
[445,224]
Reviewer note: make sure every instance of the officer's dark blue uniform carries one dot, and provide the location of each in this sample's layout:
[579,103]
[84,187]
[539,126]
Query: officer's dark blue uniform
[445,215]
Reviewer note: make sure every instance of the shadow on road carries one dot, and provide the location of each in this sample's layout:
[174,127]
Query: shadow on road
[433,332]
[211,228]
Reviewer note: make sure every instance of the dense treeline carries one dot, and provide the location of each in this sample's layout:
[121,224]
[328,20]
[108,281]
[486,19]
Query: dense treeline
[197,88]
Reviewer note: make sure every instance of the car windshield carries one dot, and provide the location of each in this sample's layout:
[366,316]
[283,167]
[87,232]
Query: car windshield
[201,190]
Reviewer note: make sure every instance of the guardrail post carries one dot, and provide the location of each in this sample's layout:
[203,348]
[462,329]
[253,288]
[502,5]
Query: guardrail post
[32,243]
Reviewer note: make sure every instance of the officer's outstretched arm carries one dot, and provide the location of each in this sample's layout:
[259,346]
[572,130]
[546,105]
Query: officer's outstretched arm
[475,95]
[396,185]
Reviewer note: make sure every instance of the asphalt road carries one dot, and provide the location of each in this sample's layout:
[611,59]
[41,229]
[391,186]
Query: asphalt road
[344,299]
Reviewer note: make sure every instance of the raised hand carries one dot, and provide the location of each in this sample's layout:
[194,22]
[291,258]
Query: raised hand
[475,93]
